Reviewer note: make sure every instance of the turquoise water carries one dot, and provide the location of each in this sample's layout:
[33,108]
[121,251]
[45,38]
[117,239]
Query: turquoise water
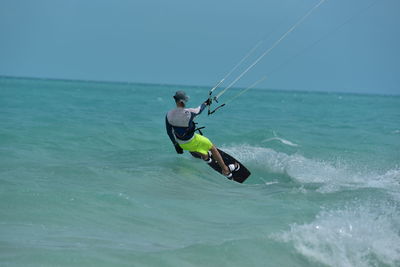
[88,177]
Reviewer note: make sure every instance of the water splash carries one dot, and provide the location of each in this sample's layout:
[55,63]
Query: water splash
[359,235]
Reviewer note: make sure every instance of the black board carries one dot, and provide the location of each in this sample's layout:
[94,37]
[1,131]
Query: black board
[238,176]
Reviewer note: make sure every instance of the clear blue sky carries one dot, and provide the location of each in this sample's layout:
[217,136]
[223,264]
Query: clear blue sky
[198,42]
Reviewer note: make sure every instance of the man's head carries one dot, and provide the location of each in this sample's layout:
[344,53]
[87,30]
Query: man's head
[181,98]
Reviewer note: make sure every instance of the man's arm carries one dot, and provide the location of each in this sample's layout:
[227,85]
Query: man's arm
[168,127]
[198,110]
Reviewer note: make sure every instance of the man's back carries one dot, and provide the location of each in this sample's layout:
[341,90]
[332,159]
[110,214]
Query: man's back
[179,117]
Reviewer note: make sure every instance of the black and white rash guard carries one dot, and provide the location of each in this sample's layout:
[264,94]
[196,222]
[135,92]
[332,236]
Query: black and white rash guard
[179,123]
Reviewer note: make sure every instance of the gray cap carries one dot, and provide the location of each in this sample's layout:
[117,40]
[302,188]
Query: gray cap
[180,96]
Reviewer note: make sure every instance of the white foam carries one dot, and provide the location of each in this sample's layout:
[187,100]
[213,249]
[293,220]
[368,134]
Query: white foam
[331,177]
[355,236]
[283,141]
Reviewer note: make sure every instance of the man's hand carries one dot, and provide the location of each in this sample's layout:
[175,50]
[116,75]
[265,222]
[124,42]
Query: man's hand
[178,149]
[208,101]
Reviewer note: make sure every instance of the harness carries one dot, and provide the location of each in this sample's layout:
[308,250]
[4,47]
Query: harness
[189,131]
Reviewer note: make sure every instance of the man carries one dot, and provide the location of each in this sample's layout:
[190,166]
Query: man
[181,130]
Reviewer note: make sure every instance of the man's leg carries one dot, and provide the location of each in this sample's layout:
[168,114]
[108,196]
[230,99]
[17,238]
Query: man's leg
[217,156]
[201,145]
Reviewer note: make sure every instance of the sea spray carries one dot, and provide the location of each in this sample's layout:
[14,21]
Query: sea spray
[331,176]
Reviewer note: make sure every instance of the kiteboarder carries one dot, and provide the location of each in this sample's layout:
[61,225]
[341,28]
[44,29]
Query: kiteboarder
[181,130]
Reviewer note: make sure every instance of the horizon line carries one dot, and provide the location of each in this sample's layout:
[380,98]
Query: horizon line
[187,85]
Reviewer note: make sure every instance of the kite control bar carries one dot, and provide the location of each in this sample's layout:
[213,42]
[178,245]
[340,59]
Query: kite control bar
[220,106]
[210,100]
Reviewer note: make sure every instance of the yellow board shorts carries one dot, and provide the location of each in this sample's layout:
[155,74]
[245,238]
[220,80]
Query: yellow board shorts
[199,144]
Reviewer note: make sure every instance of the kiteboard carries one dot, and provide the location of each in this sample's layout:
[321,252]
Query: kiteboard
[238,176]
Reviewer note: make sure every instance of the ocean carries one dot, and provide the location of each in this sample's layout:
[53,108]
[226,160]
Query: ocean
[89,177]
